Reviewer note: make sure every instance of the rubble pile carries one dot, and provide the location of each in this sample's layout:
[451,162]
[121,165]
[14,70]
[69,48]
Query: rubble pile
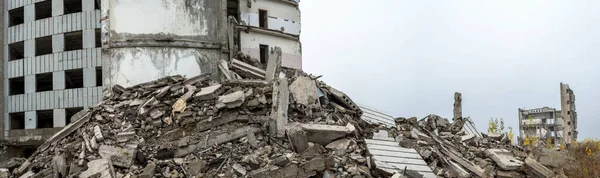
[450,152]
[177,127]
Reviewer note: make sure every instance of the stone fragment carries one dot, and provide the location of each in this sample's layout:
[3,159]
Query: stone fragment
[28,174]
[297,137]
[59,164]
[100,168]
[148,171]
[98,133]
[125,136]
[340,146]
[232,100]
[195,168]
[239,169]
[156,113]
[4,173]
[119,156]
[536,169]
[325,134]
[504,159]
[280,161]
[304,91]
[553,158]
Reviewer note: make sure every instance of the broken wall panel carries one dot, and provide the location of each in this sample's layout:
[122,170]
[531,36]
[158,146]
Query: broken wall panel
[281,16]
[290,48]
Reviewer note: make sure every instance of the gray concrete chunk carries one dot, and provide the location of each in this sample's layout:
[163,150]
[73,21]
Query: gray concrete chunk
[101,168]
[325,134]
[504,159]
[122,157]
[232,100]
[208,93]
[304,91]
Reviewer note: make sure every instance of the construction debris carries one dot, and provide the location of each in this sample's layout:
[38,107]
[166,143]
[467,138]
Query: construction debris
[172,127]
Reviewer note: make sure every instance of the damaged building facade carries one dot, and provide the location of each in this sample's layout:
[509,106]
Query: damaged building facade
[51,67]
[61,54]
[550,125]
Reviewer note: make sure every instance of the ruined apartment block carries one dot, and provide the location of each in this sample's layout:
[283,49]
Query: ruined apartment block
[542,124]
[51,67]
[268,23]
[567,104]
[560,126]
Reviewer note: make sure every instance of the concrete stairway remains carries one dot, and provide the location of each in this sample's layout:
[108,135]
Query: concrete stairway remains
[389,156]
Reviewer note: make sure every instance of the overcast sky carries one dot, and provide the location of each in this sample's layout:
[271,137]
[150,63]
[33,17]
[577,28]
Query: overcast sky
[407,58]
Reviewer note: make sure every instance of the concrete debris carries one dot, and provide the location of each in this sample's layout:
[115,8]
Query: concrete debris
[536,169]
[231,100]
[325,134]
[101,168]
[504,159]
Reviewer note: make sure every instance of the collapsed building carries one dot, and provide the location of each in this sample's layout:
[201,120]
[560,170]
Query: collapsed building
[550,126]
[61,54]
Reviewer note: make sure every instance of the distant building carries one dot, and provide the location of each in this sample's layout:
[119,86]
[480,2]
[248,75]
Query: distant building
[559,126]
[567,104]
[542,124]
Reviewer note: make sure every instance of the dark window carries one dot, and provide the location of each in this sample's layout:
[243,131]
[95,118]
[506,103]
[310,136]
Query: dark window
[568,123]
[16,86]
[16,51]
[16,16]
[17,120]
[27,152]
[262,19]
[43,9]
[45,119]
[72,6]
[43,82]
[74,78]
[73,41]
[70,112]
[264,53]
[98,38]
[43,45]
[97,4]
[98,76]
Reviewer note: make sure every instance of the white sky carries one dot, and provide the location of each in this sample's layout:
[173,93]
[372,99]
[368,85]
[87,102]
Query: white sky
[407,58]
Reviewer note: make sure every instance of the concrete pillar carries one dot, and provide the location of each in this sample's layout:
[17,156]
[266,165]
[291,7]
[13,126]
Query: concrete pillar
[89,77]
[89,38]
[29,13]
[58,80]
[87,5]
[58,43]
[30,120]
[457,105]
[281,98]
[29,48]
[57,8]
[60,119]
[30,84]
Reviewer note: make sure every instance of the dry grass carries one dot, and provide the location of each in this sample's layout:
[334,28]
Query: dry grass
[587,159]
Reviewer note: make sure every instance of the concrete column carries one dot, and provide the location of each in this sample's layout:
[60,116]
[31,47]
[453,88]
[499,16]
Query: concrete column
[58,80]
[58,43]
[29,13]
[30,84]
[89,77]
[89,38]
[29,48]
[57,8]
[30,120]
[88,5]
[60,119]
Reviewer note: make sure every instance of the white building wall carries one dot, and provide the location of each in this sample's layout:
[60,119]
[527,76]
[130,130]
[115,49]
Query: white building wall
[291,49]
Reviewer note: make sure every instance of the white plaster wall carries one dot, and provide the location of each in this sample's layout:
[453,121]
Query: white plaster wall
[282,16]
[291,49]
[132,66]
[158,16]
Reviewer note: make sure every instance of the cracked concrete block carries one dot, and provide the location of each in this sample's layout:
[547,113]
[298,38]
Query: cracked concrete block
[279,108]
[232,100]
[98,133]
[125,136]
[325,134]
[304,91]
[536,169]
[101,168]
[297,137]
[119,156]
[504,159]
[148,171]
[208,93]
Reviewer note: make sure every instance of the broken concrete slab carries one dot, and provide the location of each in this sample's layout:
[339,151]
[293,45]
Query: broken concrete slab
[553,158]
[304,91]
[273,64]
[59,164]
[208,93]
[279,108]
[239,169]
[232,100]
[536,169]
[119,156]
[101,168]
[12,163]
[504,159]
[297,137]
[218,139]
[341,146]
[325,134]
[67,130]
[247,70]
[148,171]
